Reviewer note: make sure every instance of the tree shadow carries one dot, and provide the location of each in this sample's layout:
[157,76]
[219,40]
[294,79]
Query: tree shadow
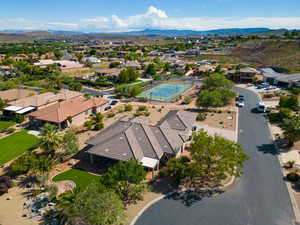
[190,197]
[268,149]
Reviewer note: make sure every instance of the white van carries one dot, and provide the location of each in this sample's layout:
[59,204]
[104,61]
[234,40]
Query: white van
[261,107]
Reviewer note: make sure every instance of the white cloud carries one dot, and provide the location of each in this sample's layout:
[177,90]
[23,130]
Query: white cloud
[153,18]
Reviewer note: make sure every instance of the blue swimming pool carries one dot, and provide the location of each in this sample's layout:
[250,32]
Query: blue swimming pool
[165,92]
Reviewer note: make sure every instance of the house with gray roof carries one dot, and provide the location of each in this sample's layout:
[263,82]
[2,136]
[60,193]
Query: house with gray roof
[134,139]
[281,79]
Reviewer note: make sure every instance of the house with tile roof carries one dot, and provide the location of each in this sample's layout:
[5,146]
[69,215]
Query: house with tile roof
[69,112]
[150,145]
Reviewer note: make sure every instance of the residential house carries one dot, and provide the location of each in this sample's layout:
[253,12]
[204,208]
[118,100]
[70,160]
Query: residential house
[134,64]
[114,72]
[63,64]
[243,75]
[91,60]
[282,80]
[150,145]
[31,103]
[69,112]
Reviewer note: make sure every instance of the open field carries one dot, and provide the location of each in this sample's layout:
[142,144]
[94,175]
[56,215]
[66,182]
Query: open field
[15,145]
[80,177]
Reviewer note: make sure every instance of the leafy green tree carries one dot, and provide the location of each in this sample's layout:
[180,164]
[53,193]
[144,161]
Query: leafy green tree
[58,54]
[291,128]
[289,102]
[114,65]
[93,206]
[209,98]
[50,139]
[166,67]
[70,143]
[151,70]
[125,178]
[3,104]
[31,161]
[216,80]
[213,158]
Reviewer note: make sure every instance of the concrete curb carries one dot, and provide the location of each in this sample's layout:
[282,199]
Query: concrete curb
[145,208]
[289,188]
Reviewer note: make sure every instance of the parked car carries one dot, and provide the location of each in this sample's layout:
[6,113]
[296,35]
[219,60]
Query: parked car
[114,102]
[241,103]
[261,107]
[271,87]
[107,108]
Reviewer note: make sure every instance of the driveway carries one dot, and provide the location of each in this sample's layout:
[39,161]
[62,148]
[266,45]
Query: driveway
[259,197]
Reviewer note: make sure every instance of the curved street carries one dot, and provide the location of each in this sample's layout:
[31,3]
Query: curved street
[259,197]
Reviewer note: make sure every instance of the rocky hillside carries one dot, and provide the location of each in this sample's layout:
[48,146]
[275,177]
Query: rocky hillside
[281,54]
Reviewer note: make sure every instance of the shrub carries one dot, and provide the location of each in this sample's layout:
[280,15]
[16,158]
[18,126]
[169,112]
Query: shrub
[268,95]
[128,108]
[110,115]
[293,177]
[142,108]
[147,113]
[295,91]
[201,116]
[19,118]
[99,126]
[88,124]
[120,110]
[187,100]
[290,164]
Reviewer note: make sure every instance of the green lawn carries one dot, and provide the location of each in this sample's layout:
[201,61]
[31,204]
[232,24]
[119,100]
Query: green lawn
[6,124]
[80,177]
[15,145]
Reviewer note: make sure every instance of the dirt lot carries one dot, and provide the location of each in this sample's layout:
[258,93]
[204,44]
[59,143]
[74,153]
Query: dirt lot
[11,211]
[224,120]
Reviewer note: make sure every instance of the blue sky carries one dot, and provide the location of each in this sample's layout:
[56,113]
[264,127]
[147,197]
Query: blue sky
[118,15]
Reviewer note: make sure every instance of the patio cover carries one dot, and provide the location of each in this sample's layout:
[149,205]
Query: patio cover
[25,110]
[13,108]
[149,162]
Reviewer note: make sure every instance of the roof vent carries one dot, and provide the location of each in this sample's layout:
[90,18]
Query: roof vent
[121,138]
[124,154]
[107,150]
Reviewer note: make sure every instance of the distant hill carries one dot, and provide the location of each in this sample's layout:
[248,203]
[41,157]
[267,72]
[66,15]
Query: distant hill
[172,33]
[281,54]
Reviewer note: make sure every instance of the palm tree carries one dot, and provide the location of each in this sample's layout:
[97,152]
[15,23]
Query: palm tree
[50,139]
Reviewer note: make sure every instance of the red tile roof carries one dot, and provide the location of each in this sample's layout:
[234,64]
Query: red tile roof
[60,111]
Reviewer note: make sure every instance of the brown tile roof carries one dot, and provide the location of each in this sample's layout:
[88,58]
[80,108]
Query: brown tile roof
[60,111]
[45,98]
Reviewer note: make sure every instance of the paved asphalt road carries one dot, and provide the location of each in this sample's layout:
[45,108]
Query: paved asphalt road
[259,197]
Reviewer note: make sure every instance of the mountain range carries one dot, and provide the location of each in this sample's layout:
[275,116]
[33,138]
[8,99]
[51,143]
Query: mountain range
[158,32]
